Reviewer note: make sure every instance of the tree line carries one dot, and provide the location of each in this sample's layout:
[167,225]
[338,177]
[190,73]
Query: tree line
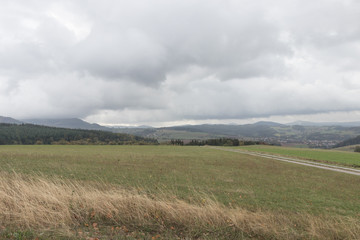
[351,141]
[357,149]
[216,142]
[29,134]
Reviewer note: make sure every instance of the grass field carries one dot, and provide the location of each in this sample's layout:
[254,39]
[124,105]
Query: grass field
[350,159]
[176,192]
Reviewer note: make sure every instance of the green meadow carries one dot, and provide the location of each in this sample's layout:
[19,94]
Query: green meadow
[192,174]
[230,178]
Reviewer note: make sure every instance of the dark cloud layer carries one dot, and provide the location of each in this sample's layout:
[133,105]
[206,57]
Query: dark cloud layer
[158,61]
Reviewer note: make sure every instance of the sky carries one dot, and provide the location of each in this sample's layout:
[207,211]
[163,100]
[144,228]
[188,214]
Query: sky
[165,62]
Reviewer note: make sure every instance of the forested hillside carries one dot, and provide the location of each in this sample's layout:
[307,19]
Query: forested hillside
[352,141]
[34,134]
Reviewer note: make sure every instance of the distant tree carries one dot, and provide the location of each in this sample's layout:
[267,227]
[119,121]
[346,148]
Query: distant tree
[357,149]
[177,142]
[214,142]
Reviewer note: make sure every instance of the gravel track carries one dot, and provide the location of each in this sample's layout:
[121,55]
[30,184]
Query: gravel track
[294,160]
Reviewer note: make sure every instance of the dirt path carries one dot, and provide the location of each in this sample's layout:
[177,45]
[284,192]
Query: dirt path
[294,160]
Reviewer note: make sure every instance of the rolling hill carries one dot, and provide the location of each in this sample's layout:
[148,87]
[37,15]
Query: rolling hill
[9,120]
[29,134]
[73,123]
[322,135]
[311,136]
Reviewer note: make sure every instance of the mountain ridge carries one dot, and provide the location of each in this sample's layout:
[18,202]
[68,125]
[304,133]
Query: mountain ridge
[9,120]
[342,124]
[303,133]
[72,123]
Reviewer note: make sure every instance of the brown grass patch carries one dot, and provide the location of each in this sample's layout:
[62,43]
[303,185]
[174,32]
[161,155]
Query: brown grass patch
[46,205]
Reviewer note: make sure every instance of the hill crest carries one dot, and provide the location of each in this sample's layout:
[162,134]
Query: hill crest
[9,120]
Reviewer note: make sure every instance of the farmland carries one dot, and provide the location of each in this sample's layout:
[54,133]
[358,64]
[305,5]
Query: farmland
[289,201]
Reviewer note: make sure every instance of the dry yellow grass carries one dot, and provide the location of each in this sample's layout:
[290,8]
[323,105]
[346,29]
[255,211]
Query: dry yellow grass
[46,205]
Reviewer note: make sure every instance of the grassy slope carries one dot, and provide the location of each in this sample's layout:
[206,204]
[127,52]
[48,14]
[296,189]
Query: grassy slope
[232,178]
[330,156]
[349,148]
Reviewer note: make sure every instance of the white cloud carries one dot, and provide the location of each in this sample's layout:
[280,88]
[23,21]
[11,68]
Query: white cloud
[179,61]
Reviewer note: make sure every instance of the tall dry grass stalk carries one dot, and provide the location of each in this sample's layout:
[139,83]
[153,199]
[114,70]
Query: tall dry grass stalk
[42,204]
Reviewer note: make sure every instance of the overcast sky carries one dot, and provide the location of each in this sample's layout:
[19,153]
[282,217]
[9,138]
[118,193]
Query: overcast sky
[163,62]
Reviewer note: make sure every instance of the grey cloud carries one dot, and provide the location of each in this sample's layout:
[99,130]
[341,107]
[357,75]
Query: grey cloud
[165,60]
[38,49]
[74,95]
[328,29]
[128,54]
[166,38]
[149,45]
[327,24]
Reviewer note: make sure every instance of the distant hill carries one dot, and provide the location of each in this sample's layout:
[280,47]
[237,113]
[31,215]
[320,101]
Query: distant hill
[249,130]
[266,123]
[138,127]
[348,142]
[9,120]
[322,135]
[35,134]
[342,124]
[275,133]
[73,123]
